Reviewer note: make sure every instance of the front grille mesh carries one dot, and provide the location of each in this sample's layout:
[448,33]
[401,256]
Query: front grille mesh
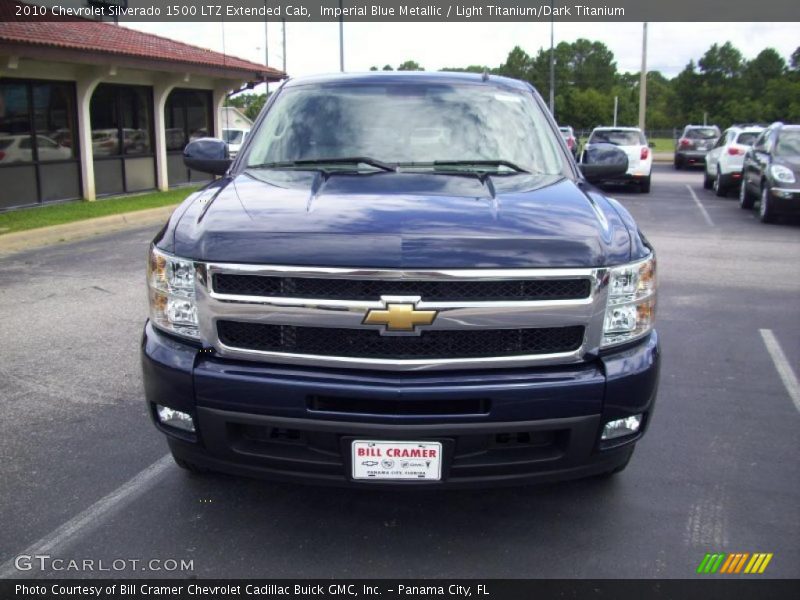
[365,343]
[357,289]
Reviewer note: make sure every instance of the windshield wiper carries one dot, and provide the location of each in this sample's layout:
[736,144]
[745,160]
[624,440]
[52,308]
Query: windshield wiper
[436,164]
[480,163]
[321,162]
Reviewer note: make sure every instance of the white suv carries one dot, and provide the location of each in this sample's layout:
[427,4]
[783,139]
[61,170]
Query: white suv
[632,141]
[725,160]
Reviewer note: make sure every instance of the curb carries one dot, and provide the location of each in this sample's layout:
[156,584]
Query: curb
[69,232]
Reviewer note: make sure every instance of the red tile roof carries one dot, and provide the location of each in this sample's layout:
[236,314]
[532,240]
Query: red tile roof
[106,38]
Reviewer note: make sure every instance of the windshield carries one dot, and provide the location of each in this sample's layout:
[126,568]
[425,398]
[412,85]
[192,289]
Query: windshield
[788,143]
[702,133]
[618,137]
[747,138]
[232,136]
[404,123]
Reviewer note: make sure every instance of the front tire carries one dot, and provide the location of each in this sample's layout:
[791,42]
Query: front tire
[765,212]
[745,199]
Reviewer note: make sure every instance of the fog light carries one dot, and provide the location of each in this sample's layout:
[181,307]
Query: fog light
[175,418]
[622,427]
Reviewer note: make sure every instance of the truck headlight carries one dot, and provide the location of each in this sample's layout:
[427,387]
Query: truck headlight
[630,311]
[170,282]
[782,174]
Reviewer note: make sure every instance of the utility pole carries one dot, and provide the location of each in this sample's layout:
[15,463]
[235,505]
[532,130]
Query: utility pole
[616,105]
[643,80]
[266,36]
[284,44]
[341,35]
[552,65]
[266,47]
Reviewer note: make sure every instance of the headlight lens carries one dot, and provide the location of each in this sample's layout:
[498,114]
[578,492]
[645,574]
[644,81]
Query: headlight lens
[631,308]
[170,282]
[782,174]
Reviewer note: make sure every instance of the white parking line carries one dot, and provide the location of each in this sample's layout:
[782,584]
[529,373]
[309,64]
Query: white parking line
[782,365]
[89,518]
[702,208]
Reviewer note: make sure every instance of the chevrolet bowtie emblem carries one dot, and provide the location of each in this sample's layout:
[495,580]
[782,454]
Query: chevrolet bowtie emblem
[399,317]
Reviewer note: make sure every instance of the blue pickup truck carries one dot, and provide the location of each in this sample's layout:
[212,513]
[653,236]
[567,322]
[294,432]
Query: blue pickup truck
[403,279]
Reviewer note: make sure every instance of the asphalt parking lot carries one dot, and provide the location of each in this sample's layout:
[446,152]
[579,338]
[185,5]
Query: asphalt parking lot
[718,471]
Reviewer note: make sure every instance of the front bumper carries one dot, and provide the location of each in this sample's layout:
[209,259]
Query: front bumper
[785,200]
[518,426]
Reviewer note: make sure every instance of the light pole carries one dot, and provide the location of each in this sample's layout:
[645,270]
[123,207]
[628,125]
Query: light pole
[266,47]
[643,79]
[552,65]
[284,44]
[341,35]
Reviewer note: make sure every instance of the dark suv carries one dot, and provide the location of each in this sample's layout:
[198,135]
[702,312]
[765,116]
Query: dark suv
[693,145]
[771,172]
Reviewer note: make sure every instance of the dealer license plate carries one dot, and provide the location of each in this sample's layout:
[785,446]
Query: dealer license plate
[410,461]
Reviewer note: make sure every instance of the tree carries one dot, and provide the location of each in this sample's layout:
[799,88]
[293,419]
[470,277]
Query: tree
[518,65]
[766,66]
[250,104]
[794,61]
[721,62]
[591,65]
[410,65]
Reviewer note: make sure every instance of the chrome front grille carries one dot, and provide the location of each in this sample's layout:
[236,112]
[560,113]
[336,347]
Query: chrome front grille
[484,318]
[432,344]
[369,289]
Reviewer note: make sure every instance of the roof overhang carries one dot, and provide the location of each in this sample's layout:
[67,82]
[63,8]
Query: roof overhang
[89,57]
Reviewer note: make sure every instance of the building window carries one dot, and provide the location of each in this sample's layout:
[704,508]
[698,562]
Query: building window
[122,139]
[188,116]
[38,143]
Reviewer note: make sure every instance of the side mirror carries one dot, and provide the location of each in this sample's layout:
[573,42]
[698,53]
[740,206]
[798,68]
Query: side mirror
[208,155]
[651,145]
[603,161]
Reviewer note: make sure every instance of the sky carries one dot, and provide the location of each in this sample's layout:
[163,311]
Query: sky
[313,48]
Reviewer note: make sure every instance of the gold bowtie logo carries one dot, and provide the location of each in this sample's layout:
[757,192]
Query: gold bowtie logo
[399,317]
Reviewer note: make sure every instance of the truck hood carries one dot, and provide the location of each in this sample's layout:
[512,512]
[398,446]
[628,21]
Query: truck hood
[401,220]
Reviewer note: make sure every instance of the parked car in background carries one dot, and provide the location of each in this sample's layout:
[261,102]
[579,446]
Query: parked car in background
[724,161]
[19,148]
[234,138]
[633,142]
[568,133]
[772,172]
[694,143]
